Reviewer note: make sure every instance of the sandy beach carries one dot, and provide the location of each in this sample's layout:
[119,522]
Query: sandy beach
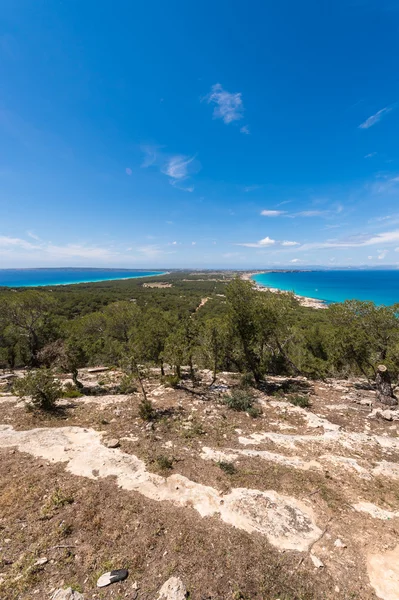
[303,300]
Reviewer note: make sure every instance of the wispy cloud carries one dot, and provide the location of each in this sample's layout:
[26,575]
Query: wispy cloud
[228,106]
[375,118]
[272,213]
[311,213]
[48,249]
[245,129]
[251,188]
[382,254]
[381,239]
[178,167]
[370,155]
[289,243]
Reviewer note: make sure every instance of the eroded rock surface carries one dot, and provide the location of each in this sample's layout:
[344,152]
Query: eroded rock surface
[288,523]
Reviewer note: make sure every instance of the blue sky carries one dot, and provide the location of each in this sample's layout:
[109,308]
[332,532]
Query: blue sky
[199,134]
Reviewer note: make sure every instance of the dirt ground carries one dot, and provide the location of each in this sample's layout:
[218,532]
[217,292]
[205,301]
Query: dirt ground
[297,503]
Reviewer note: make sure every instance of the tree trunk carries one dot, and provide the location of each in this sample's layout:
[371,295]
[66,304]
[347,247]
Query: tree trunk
[384,390]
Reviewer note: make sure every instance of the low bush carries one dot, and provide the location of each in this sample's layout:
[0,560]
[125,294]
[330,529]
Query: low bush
[227,467]
[41,387]
[298,400]
[127,385]
[164,463]
[239,400]
[171,381]
[146,410]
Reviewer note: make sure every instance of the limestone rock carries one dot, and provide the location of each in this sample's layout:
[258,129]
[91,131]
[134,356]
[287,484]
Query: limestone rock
[67,594]
[173,589]
[112,443]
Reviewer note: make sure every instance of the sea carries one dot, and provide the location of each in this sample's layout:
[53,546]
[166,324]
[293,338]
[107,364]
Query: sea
[41,277]
[378,286]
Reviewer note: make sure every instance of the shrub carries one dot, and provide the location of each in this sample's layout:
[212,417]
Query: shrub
[41,386]
[164,463]
[254,412]
[247,380]
[298,400]
[146,410]
[240,400]
[70,391]
[171,381]
[127,385]
[227,467]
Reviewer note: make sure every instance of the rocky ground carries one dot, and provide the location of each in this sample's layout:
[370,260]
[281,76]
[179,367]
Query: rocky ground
[297,503]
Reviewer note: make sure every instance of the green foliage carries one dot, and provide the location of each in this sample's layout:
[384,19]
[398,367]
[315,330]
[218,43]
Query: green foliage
[239,400]
[298,400]
[70,391]
[241,329]
[171,381]
[146,410]
[41,386]
[127,385]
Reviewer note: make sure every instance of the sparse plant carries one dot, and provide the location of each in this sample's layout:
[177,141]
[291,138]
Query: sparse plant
[254,412]
[146,410]
[41,387]
[227,467]
[299,400]
[239,400]
[127,385]
[247,380]
[171,381]
[70,391]
[164,463]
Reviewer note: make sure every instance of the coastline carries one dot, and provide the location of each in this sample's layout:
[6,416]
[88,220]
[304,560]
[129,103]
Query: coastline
[34,285]
[303,300]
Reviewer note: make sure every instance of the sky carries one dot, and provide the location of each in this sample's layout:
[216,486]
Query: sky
[202,134]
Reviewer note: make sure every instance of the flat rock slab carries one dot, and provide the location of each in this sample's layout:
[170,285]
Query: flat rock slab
[288,523]
[383,571]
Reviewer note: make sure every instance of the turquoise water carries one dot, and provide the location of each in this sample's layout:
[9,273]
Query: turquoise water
[39,277]
[381,287]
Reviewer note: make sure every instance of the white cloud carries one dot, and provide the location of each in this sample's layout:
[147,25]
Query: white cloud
[370,155]
[288,243]
[375,118]
[229,107]
[9,242]
[261,244]
[245,129]
[272,213]
[128,171]
[382,254]
[370,257]
[193,243]
[295,260]
[177,166]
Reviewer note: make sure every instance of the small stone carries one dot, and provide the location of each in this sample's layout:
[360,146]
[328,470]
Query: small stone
[173,589]
[316,561]
[112,443]
[41,561]
[67,594]
[339,543]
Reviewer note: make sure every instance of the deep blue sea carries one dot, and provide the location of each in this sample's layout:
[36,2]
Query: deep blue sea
[39,277]
[381,287]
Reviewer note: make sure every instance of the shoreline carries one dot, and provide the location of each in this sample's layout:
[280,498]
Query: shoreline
[303,300]
[34,285]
